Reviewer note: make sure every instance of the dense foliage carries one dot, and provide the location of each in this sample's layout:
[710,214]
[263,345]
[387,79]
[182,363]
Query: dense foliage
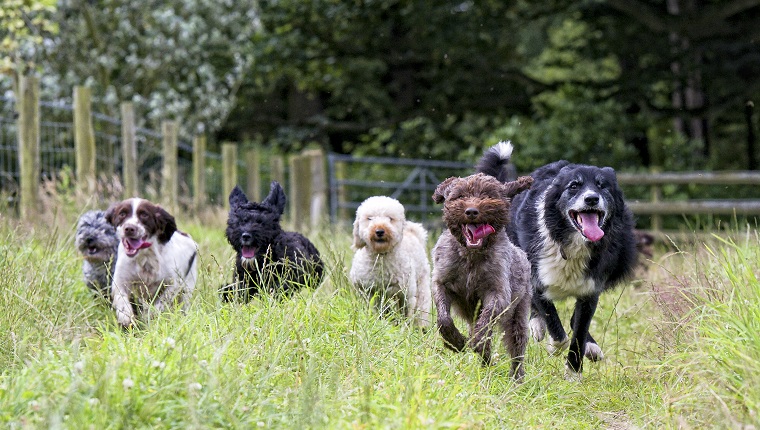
[643,83]
[24,25]
[179,59]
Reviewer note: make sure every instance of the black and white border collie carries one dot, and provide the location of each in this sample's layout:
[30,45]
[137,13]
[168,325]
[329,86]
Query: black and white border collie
[578,233]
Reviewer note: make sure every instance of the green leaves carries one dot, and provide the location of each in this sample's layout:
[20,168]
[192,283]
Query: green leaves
[24,25]
[177,60]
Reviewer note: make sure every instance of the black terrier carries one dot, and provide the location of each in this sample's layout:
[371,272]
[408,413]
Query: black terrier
[268,258]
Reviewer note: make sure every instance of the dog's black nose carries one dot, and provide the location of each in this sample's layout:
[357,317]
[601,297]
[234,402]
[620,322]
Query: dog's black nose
[379,232]
[471,212]
[246,237]
[89,240]
[130,230]
[592,199]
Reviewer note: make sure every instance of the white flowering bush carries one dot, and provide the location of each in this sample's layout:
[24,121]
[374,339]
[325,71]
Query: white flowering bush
[180,60]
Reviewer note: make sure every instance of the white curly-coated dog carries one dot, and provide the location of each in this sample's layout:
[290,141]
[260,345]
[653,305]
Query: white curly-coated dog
[390,260]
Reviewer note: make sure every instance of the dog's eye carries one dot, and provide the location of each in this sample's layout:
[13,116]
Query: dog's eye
[573,186]
[123,214]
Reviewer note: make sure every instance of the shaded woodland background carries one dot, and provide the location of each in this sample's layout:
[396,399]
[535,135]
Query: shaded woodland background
[634,84]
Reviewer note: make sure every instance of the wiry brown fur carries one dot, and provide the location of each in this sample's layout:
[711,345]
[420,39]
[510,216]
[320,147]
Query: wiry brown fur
[486,286]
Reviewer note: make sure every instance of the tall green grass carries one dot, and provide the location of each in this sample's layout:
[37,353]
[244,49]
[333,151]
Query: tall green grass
[718,348]
[324,359]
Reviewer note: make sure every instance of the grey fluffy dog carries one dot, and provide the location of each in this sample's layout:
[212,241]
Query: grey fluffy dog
[96,240]
[477,272]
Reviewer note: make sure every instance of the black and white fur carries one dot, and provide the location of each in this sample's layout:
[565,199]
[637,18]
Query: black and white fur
[578,234]
[156,264]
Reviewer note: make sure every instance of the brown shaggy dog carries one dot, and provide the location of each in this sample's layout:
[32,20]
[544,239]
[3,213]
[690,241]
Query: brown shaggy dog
[477,272]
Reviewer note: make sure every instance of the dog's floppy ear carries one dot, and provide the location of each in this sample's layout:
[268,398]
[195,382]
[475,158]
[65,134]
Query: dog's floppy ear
[109,213]
[440,193]
[514,188]
[358,242]
[560,176]
[610,172]
[237,197]
[276,198]
[166,224]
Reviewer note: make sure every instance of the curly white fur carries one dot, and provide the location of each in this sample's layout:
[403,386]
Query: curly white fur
[390,259]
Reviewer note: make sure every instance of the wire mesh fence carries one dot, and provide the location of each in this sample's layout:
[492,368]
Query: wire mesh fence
[412,182]
[56,139]
[107,144]
[58,154]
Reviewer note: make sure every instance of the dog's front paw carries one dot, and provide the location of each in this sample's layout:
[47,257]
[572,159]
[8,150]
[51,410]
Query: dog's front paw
[537,329]
[593,352]
[125,322]
[456,344]
[483,348]
[452,338]
[571,375]
[125,318]
[555,347]
[517,372]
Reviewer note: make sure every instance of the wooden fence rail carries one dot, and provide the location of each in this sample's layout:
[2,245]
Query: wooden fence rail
[306,172]
[657,207]
[685,178]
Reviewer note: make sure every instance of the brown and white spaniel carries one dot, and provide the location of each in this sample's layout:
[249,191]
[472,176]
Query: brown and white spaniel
[156,264]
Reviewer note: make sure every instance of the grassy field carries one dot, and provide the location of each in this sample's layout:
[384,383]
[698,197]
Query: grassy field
[682,346]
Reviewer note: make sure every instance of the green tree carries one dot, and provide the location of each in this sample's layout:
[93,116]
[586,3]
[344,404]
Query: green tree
[574,116]
[24,25]
[688,69]
[179,59]
[384,76]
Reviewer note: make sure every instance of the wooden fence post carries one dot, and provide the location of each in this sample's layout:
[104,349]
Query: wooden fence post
[229,171]
[28,108]
[341,194]
[318,187]
[84,141]
[199,171]
[299,193]
[169,180]
[128,150]
[252,164]
[656,196]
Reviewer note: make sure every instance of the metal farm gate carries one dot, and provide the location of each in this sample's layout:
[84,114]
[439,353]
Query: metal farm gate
[411,181]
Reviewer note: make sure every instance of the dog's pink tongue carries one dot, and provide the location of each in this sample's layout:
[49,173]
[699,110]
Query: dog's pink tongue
[138,243]
[248,251]
[479,231]
[590,226]
[482,231]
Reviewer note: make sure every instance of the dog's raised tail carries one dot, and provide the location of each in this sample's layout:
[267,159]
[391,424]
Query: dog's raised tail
[495,162]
